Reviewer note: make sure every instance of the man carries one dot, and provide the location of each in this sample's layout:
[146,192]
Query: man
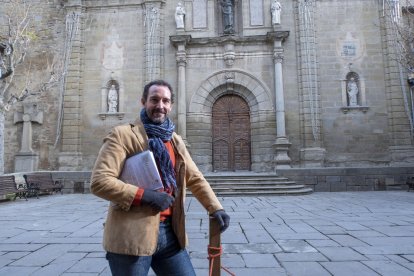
[147,228]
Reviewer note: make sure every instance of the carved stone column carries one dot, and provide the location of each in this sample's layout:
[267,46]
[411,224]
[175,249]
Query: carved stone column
[180,41]
[282,144]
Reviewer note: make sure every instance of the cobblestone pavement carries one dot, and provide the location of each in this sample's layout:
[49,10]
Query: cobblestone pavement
[348,233]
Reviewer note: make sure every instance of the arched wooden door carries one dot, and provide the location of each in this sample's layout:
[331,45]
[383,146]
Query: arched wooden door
[231,134]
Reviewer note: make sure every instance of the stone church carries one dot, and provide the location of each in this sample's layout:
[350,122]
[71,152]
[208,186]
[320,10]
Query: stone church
[307,89]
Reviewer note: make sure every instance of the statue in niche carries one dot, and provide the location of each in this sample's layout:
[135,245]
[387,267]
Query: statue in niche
[227,10]
[352,91]
[112,99]
[179,16]
[276,9]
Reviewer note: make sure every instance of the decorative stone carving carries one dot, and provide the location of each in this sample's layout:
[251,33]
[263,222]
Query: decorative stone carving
[113,56]
[229,54]
[27,159]
[30,115]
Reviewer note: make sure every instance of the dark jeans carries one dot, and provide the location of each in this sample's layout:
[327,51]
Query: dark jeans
[169,259]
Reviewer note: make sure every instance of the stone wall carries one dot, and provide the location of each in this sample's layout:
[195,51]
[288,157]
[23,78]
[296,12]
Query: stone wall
[115,43]
[351,178]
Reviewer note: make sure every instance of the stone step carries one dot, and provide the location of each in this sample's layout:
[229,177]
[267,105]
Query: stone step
[255,187]
[253,184]
[302,191]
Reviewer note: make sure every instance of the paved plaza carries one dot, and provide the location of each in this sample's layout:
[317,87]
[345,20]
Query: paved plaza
[348,233]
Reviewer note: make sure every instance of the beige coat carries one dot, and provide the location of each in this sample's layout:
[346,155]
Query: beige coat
[133,230]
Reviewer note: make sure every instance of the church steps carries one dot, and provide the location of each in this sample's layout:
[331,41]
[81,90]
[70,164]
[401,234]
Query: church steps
[303,191]
[254,184]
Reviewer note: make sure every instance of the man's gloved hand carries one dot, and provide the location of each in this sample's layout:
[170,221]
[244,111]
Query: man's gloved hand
[159,201]
[222,218]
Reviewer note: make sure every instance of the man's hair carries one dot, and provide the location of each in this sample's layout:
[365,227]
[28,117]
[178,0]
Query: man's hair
[159,83]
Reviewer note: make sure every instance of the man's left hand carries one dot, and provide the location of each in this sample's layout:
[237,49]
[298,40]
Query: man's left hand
[222,218]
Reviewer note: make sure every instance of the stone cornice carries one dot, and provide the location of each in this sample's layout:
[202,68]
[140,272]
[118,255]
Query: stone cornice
[221,40]
[105,3]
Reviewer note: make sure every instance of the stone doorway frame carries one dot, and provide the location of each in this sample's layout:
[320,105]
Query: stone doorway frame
[262,113]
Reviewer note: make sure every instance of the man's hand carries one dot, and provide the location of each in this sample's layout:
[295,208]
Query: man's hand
[159,201]
[222,218]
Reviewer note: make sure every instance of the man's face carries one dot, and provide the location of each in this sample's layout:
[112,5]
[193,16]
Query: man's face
[158,103]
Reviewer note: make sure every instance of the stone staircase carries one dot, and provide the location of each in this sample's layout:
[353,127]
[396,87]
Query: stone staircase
[253,184]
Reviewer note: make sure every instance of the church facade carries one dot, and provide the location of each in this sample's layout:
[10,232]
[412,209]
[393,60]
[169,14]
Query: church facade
[260,85]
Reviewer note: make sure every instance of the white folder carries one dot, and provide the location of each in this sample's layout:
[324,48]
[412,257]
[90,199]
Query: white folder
[141,170]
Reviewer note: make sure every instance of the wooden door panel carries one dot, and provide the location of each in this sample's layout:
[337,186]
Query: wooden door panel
[221,155]
[242,155]
[231,134]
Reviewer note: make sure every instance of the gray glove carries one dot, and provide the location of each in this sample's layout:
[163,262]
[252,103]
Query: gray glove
[159,201]
[222,218]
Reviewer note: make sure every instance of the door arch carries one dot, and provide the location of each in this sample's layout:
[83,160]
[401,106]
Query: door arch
[231,134]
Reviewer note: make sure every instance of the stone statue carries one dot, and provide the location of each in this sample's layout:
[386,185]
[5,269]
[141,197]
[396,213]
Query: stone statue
[112,100]
[227,9]
[352,90]
[179,16]
[276,9]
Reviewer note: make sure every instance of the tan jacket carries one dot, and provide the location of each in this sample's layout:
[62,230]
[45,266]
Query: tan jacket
[133,230]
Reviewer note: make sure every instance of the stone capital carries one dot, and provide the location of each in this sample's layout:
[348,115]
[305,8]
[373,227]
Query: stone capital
[178,40]
[278,57]
[277,36]
[181,58]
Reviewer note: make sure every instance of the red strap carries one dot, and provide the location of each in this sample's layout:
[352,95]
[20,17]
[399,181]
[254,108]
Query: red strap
[212,255]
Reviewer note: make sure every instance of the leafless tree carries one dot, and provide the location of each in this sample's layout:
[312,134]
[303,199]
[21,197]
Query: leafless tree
[400,15]
[28,67]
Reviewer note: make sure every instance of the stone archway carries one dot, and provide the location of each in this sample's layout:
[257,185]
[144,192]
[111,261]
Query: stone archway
[258,99]
[231,134]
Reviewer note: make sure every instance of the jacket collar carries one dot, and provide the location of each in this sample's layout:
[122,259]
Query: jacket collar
[138,129]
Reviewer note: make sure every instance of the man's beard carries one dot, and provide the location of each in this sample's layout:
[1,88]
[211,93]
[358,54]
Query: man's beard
[158,116]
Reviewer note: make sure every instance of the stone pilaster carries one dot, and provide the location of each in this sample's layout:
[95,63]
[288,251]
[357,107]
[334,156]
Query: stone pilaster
[154,48]
[401,146]
[312,153]
[70,157]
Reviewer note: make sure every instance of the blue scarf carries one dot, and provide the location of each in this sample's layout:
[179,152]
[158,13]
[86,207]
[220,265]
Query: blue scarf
[157,134]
